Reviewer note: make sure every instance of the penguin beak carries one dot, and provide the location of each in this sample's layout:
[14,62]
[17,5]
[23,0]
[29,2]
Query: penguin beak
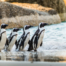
[18,29]
[6,25]
[44,24]
[15,29]
[30,26]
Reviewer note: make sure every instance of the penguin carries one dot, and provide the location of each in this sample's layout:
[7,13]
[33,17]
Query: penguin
[3,36]
[11,39]
[37,38]
[24,39]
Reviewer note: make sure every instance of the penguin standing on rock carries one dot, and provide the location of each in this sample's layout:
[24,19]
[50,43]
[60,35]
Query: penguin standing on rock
[37,38]
[24,39]
[11,39]
[3,36]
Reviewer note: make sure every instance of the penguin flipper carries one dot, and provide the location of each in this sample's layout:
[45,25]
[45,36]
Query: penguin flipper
[29,42]
[0,37]
[7,42]
[37,31]
[6,45]
[16,44]
[30,45]
[36,40]
[41,44]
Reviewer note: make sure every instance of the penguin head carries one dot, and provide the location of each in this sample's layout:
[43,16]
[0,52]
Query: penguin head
[41,25]
[15,29]
[26,27]
[4,26]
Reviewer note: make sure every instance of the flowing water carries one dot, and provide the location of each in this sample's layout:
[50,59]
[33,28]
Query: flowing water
[54,36]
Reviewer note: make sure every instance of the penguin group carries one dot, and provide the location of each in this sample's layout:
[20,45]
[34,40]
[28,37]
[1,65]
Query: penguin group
[6,43]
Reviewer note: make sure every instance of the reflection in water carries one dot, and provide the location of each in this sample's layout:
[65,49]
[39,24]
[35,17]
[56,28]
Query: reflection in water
[46,56]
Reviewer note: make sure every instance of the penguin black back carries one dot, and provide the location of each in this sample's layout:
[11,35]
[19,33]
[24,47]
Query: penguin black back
[35,41]
[21,45]
[18,42]
[36,37]
[11,39]
[31,41]
[23,40]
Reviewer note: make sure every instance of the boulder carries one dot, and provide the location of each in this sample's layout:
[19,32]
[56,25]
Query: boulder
[58,5]
[16,16]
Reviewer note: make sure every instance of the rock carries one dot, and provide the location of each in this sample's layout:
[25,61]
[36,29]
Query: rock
[58,5]
[16,16]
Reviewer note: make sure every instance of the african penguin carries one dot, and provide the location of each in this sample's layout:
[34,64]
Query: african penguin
[11,39]
[24,39]
[37,38]
[3,36]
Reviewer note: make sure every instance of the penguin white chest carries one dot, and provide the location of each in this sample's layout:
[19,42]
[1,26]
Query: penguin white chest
[3,40]
[26,40]
[40,39]
[12,42]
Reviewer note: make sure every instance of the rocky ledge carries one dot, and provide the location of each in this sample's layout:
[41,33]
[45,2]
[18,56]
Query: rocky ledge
[18,16]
